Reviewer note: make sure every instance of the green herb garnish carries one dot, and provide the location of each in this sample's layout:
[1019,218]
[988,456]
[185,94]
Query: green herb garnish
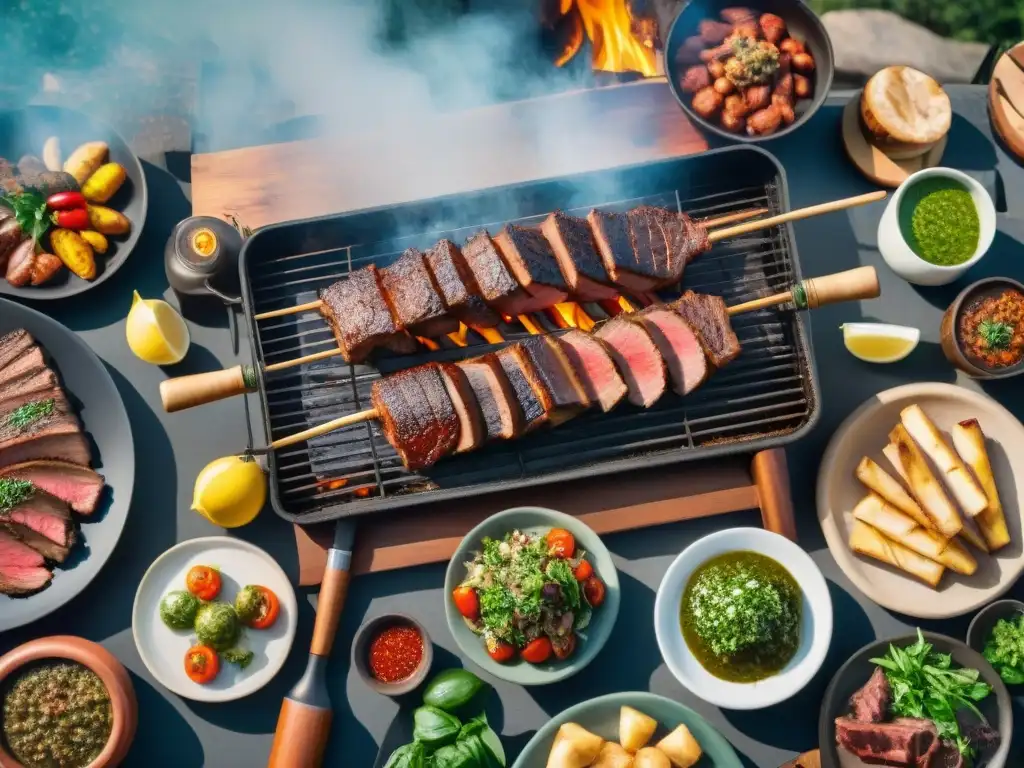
[1005,649]
[237,656]
[996,335]
[30,212]
[14,492]
[30,413]
[925,685]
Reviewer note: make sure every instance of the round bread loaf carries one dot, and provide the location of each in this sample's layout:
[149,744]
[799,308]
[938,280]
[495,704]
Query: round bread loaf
[904,112]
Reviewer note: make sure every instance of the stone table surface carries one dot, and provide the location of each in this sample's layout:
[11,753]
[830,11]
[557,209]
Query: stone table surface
[171,449]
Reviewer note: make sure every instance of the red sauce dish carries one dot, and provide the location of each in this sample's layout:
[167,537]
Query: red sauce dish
[392,654]
[982,332]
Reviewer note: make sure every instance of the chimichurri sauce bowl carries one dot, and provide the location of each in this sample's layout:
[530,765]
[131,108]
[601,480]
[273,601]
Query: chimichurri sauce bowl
[743,618]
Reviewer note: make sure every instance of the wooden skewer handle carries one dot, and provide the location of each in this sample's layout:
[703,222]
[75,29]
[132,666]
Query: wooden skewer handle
[852,285]
[301,735]
[323,429]
[200,388]
[800,213]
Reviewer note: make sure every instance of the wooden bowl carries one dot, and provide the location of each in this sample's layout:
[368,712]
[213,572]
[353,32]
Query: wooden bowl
[361,654]
[951,343]
[98,659]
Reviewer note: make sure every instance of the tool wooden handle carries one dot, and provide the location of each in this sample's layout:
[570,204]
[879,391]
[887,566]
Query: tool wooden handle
[329,606]
[301,736]
[800,213]
[851,285]
[323,429]
[201,388]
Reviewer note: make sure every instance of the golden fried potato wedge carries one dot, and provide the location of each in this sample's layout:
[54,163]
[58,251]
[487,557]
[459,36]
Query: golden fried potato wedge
[865,540]
[680,747]
[969,441]
[889,488]
[926,487]
[635,729]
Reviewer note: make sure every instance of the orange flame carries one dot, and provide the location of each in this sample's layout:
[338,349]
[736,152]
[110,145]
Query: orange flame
[609,26]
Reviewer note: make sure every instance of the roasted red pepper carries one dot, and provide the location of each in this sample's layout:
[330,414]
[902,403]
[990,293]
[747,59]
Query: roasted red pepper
[66,201]
[76,219]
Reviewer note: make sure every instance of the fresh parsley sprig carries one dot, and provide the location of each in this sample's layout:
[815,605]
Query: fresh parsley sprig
[30,212]
[996,335]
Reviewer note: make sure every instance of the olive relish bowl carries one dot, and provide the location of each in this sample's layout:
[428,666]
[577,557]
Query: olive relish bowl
[743,618]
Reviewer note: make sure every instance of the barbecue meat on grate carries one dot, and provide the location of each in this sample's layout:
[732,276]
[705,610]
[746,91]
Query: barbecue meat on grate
[413,297]
[637,358]
[529,257]
[694,239]
[649,244]
[618,249]
[77,486]
[679,347]
[531,392]
[590,358]
[22,569]
[708,316]
[416,415]
[44,523]
[472,430]
[569,397]
[573,245]
[494,394]
[13,344]
[495,282]
[901,742]
[458,288]
[359,315]
[55,436]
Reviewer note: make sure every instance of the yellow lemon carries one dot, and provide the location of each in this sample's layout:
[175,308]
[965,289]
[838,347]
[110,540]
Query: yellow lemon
[878,342]
[230,492]
[156,332]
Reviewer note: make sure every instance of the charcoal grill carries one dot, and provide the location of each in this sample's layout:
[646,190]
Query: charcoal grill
[766,398]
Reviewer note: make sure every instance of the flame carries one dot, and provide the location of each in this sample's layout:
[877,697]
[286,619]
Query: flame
[609,26]
[333,485]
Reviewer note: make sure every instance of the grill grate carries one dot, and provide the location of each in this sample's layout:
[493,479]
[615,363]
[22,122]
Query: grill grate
[768,393]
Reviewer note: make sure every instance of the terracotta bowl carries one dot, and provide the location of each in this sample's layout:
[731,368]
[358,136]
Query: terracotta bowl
[110,671]
[951,343]
[361,654]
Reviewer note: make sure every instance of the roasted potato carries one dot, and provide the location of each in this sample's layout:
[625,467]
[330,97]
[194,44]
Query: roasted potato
[803,62]
[613,755]
[680,747]
[44,268]
[649,757]
[98,242]
[76,254]
[773,28]
[735,105]
[765,121]
[733,122]
[716,68]
[107,221]
[737,15]
[84,161]
[714,32]
[706,102]
[724,86]
[785,107]
[969,441]
[784,78]
[102,185]
[802,88]
[695,78]
[635,728]
[791,46]
[757,97]
[574,747]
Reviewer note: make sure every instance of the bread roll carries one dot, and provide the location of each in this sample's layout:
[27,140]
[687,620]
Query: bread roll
[904,112]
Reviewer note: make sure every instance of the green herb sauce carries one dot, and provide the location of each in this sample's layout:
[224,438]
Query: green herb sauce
[1004,649]
[178,609]
[14,492]
[940,222]
[740,616]
[57,716]
[30,413]
[217,626]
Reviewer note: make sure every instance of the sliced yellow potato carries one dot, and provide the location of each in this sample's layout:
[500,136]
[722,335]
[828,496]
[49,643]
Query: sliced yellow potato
[865,540]
[889,488]
[649,757]
[574,747]
[969,441]
[926,487]
[612,755]
[680,747]
[635,729]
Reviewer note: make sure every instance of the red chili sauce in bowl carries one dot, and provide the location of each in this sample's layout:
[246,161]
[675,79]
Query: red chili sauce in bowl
[991,329]
[396,653]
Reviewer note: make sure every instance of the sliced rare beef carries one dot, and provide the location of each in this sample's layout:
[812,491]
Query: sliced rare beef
[44,523]
[416,415]
[32,383]
[22,569]
[709,317]
[494,280]
[529,257]
[13,344]
[33,399]
[871,703]
[901,742]
[615,244]
[573,245]
[569,396]
[457,286]
[29,361]
[637,358]
[472,430]
[593,364]
[679,347]
[531,393]
[494,394]
[79,487]
[413,297]
[53,437]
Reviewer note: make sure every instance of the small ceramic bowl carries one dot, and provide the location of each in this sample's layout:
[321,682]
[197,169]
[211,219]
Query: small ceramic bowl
[96,658]
[897,252]
[366,634]
[981,625]
[815,630]
[951,345]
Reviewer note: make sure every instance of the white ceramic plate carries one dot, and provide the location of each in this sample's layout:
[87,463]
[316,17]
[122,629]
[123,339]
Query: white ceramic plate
[815,630]
[865,433]
[163,649]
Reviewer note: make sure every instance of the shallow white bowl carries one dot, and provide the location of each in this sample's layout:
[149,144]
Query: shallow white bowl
[815,631]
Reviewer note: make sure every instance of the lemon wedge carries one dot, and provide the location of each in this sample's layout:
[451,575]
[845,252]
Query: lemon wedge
[156,333]
[230,491]
[878,342]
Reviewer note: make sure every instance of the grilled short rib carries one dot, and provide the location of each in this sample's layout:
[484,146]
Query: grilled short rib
[569,396]
[709,317]
[593,363]
[502,415]
[531,261]
[495,282]
[532,394]
[22,569]
[413,297]
[78,486]
[870,704]
[679,347]
[572,242]
[904,741]
[416,415]
[457,286]
[637,358]
[359,315]
[472,430]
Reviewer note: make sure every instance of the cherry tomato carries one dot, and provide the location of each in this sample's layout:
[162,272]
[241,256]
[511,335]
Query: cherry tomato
[65,201]
[203,582]
[74,218]
[270,608]
[537,651]
[499,650]
[561,543]
[593,588]
[583,571]
[201,664]
[467,602]
[565,649]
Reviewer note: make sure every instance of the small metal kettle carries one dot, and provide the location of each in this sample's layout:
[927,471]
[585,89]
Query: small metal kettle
[201,258]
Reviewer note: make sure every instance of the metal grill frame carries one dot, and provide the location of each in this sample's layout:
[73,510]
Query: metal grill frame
[648,455]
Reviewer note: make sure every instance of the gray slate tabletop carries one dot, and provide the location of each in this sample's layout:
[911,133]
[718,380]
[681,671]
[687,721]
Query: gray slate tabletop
[171,449]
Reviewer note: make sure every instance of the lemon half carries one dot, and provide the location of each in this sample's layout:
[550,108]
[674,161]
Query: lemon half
[879,342]
[156,333]
[230,491]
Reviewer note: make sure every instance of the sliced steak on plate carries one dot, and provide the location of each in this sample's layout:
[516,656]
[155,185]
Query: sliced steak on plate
[13,344]
[901,742]
[55,436]
[871,703]
[78,486]
[22,569]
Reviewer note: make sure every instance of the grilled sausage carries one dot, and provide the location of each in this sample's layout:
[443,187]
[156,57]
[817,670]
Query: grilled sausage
[758,97]
[695,78]
[747,28]
[706,102]
[714,32]
[791,46]
[20,263]
[772,27]
[764,122]
[689,52]
[785,107]
[46,265]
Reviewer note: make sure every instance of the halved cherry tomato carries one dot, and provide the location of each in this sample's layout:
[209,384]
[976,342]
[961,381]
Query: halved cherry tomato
[537,651]
[203,582]
[73,218]
[499,650]
[565,649]
[65,201]
[583,571]
[561,543]
[270,608]
[467,602]
[201,664]
[594,590]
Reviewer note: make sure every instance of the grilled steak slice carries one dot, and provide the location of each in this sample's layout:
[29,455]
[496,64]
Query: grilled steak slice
[22,569]
[40,512]
[359,315]
[871,703]
[29,361]
[496,284]
[532,395]
[679,347]
[694,239]
[567,391]
[457,286]
[79,487]
[616,245]
[51,550]
[529,257]
[39,381]
[416,415]
[502,416]
[12,404]
[573,245]
[54,436]
[590,358]
[472,430]
[13,344]
[413,298]
[708,316]
[637,358]
[901,742]
[649,243]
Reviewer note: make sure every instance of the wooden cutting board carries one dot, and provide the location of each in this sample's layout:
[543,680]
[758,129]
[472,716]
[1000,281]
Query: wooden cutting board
[1006,99]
